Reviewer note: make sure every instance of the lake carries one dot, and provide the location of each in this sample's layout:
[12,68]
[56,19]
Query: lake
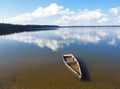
[33,60]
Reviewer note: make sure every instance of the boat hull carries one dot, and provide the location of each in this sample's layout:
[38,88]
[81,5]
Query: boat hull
[72,64]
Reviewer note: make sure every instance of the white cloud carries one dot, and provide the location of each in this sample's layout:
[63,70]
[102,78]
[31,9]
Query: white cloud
[52,10]
[59,15]
[89,15]
[84,17]
[104,20]
[115,11]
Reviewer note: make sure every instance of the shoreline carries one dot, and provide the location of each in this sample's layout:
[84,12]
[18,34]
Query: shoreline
[16,28]
[11,28]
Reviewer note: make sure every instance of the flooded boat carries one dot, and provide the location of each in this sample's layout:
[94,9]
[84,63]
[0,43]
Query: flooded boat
[72,63]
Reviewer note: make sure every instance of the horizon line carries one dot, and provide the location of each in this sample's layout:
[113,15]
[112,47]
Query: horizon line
[65,26]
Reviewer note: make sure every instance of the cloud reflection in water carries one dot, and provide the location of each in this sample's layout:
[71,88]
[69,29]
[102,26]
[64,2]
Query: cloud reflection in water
[56,39]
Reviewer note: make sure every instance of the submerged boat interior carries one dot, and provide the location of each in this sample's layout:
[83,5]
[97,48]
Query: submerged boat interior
[72,63]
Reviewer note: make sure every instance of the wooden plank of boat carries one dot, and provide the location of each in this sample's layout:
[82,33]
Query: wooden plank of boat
[72,63]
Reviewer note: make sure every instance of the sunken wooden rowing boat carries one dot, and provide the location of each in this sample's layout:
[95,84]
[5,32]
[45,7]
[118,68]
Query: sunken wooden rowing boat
[72,63]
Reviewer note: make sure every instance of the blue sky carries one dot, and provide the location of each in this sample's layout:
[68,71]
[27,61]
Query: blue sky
[60,12]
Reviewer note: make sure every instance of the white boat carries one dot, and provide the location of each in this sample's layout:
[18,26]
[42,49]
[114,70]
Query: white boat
[72,63]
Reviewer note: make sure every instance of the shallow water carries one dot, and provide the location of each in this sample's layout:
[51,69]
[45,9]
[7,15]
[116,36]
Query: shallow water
[32,60]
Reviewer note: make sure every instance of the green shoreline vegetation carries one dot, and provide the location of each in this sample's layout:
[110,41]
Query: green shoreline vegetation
[13,28]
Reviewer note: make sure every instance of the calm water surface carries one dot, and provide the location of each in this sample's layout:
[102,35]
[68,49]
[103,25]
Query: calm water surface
[32,60]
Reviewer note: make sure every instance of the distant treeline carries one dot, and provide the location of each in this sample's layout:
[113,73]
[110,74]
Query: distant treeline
[11,28]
